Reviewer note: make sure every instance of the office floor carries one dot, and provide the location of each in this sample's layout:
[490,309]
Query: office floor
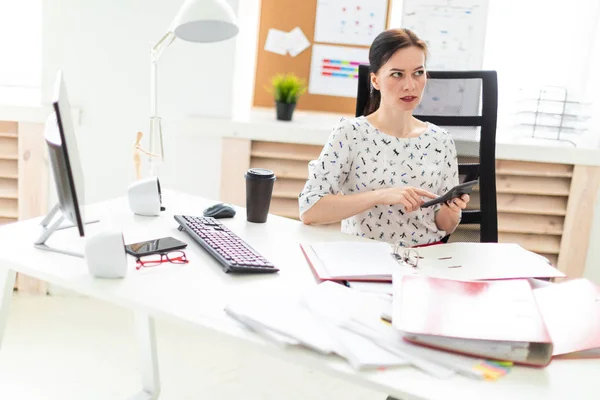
[68,348]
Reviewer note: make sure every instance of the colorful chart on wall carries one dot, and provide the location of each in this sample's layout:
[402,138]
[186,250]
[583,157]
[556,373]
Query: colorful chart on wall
[354,22]
[334,70]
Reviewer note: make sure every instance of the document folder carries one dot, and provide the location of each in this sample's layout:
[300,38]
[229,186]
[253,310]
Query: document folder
[493,319]
[377,261]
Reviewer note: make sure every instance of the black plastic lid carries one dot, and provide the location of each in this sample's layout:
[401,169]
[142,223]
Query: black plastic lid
[259,173]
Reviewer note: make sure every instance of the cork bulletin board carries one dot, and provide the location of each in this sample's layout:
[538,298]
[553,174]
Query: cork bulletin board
[285,15]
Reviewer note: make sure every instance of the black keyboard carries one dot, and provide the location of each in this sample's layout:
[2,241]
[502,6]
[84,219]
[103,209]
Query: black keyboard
[234,254]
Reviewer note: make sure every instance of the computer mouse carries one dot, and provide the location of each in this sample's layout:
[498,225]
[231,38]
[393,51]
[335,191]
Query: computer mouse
[220,210]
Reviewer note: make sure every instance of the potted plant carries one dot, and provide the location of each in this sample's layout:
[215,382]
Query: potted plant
[287,88]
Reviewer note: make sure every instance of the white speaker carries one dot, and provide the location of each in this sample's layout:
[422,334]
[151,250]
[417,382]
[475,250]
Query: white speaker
[145,197]
[105,254]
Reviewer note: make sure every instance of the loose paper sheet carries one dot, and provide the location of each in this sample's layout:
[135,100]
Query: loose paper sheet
[276,42]
[282,43]
[297,42]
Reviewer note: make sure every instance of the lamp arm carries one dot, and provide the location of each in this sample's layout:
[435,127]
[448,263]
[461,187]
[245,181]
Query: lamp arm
[155,54]
[162,44]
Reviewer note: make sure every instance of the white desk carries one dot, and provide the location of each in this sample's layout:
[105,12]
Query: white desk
[196,294]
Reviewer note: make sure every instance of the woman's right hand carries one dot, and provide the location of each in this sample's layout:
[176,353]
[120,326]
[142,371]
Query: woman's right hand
[409,197]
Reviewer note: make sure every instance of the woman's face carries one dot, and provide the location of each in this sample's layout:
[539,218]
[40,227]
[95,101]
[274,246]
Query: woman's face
[401,79]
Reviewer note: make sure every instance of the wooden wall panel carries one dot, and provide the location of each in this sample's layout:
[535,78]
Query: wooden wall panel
[283,168]
[527,168]
[289,151]
[578,222]
[33,188]
[235,161]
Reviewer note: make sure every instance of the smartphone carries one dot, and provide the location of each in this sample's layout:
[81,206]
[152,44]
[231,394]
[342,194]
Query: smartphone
[456,191]
[154,246]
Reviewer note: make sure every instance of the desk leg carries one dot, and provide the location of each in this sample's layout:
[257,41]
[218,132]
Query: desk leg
[148,357]
[7,286]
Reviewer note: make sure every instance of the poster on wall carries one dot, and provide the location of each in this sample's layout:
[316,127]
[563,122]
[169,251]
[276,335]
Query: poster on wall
[334,70]
[353,22]
[454,31]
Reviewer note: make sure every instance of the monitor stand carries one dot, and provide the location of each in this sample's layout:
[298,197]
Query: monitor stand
[49,229]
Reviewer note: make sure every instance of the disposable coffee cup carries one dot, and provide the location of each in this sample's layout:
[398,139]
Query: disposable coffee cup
[259,188]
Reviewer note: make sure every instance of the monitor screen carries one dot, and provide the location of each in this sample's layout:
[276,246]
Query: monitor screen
[64,157]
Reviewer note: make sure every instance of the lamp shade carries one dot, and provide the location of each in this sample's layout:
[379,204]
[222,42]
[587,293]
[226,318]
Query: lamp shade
[205,21]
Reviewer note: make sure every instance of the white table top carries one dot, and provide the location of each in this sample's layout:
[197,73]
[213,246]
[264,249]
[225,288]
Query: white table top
[197,293]
[315,127]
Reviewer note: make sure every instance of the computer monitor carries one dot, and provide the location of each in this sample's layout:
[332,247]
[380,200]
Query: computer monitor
[64,157]
[66,168]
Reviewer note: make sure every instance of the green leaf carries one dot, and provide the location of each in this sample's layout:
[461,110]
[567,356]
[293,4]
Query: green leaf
[287,88]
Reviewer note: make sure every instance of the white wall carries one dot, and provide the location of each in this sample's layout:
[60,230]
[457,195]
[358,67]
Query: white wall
[103,48]
[21,60]
[246,53]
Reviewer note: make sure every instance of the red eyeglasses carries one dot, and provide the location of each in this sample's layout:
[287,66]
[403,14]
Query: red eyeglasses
[173,257]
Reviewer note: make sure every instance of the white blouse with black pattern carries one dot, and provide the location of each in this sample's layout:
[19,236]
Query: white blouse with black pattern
[358,157]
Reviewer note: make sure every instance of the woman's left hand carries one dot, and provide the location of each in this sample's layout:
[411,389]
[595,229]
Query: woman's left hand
[458,204]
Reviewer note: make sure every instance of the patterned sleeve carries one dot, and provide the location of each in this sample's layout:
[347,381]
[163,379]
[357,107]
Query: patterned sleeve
[327,174]
[450,169]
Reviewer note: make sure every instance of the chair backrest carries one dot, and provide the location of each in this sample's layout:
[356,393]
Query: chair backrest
[471,119]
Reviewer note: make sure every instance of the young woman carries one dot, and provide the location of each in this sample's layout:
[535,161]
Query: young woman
[375,170]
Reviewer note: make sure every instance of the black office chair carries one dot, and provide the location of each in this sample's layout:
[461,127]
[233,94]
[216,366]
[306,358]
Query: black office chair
[481,128]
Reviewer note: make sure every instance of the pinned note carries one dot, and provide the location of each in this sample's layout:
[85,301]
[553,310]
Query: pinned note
[297,41]
[276,42]
[293,42]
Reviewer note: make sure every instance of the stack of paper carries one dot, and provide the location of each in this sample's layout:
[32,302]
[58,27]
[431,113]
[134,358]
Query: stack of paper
[283,319]
[288,321]
[332,318]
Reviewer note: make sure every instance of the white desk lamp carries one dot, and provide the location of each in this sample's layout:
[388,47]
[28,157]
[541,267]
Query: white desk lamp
[201,21]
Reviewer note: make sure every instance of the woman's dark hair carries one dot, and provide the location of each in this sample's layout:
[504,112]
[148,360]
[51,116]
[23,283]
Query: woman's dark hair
[383,48]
